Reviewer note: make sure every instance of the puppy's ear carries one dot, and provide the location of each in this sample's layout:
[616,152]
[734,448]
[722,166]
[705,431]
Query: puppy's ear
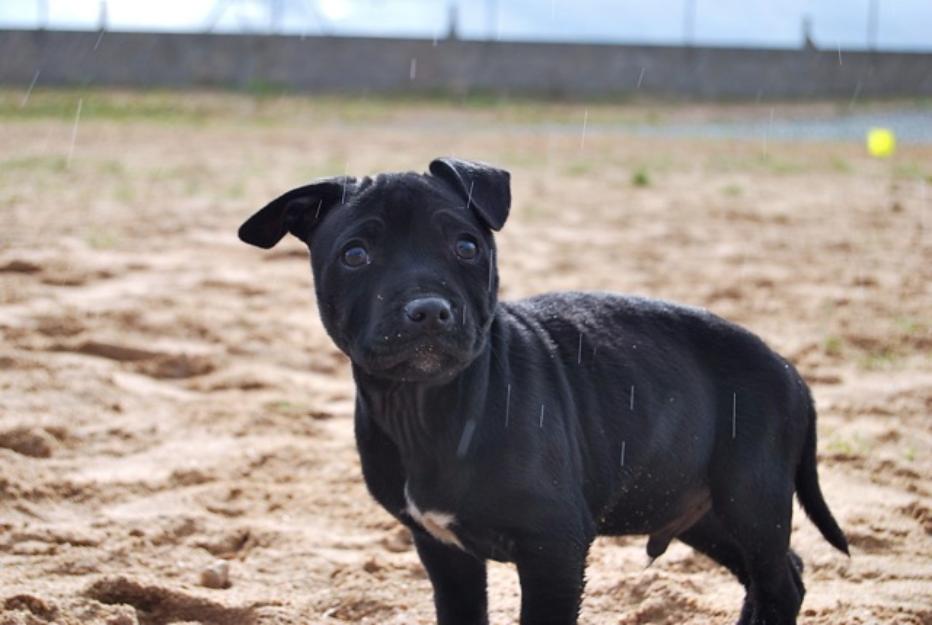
[486,189]
[298,212]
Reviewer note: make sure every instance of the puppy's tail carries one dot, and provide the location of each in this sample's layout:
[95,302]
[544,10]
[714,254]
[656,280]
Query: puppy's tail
[809,492]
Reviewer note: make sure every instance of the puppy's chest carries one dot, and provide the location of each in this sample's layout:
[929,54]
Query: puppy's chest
[465,529]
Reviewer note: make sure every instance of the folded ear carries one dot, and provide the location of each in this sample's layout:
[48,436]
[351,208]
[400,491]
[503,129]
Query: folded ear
[298,212]
[486,189]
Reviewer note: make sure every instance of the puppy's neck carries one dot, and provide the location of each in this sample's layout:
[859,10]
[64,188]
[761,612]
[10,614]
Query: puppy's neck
[426,419]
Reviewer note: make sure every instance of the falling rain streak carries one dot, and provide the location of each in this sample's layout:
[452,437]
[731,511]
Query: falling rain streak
[585,124]
[507,404]
[579,350]
[74,132]
[491,266]
[345,176]
[541,424]
[25,100]
[468,430]
[622,453]
[734,414]
[767,134]
[854,96]
[469,195]
[631,407]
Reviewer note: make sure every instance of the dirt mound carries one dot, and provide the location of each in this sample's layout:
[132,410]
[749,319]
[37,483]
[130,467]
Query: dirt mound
[156,605]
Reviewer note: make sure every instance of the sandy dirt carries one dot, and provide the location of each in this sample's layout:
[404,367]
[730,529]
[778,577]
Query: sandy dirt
[174,418]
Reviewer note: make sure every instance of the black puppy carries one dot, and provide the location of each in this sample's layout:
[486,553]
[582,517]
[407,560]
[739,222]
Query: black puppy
[519,431]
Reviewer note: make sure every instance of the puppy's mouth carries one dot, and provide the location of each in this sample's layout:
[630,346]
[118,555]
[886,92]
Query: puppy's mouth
[416,359]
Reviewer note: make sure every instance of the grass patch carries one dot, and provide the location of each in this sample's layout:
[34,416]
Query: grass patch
[101,239]
[578,168]
[640,177]
[732,190]
[910,170]
[112,168]
[840,165]
[101,105]
[869,356]
[285,407]
[295,409]
[269,103]
[853,445]
[911,326]
[21,164]
[266,89]
[879,360]
[236,190]
[775,165]
[125,193]
[832,345]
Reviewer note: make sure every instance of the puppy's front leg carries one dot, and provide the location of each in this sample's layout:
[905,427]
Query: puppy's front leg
[551,573]
[459,582]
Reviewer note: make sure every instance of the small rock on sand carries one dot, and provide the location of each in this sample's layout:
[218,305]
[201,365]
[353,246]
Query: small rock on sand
[398,541]
[20,266]
[216,575]
[34,442]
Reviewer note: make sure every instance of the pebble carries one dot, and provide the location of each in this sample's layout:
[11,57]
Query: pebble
[33,442]
[216,575]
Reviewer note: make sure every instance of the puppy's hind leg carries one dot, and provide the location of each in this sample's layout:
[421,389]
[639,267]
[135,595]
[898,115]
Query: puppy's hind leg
[708,536]
[759,517]
[795,563]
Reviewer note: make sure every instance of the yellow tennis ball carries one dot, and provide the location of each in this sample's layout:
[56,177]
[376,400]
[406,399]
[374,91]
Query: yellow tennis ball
[881,142]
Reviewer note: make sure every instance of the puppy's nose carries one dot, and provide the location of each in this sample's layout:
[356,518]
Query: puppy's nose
[431,314]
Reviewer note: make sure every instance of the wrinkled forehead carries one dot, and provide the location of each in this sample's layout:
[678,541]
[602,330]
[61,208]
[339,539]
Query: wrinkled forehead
[403,202]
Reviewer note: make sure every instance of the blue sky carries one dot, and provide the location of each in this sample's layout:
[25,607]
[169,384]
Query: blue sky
[901,25]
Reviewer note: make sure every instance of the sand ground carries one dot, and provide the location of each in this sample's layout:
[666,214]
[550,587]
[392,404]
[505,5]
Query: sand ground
[169,400]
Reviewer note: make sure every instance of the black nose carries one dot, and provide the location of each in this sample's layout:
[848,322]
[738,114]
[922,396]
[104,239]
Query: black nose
[431,314]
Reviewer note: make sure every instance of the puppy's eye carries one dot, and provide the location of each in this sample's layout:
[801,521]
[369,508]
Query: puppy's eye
[355,256]
[466,248]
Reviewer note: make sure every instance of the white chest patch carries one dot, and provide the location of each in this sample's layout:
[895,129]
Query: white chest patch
[436,523]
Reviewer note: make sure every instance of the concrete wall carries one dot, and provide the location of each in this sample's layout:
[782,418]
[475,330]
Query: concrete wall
[360,65]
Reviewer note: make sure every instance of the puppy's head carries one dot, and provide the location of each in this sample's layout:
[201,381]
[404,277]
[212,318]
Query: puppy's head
[404,264]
